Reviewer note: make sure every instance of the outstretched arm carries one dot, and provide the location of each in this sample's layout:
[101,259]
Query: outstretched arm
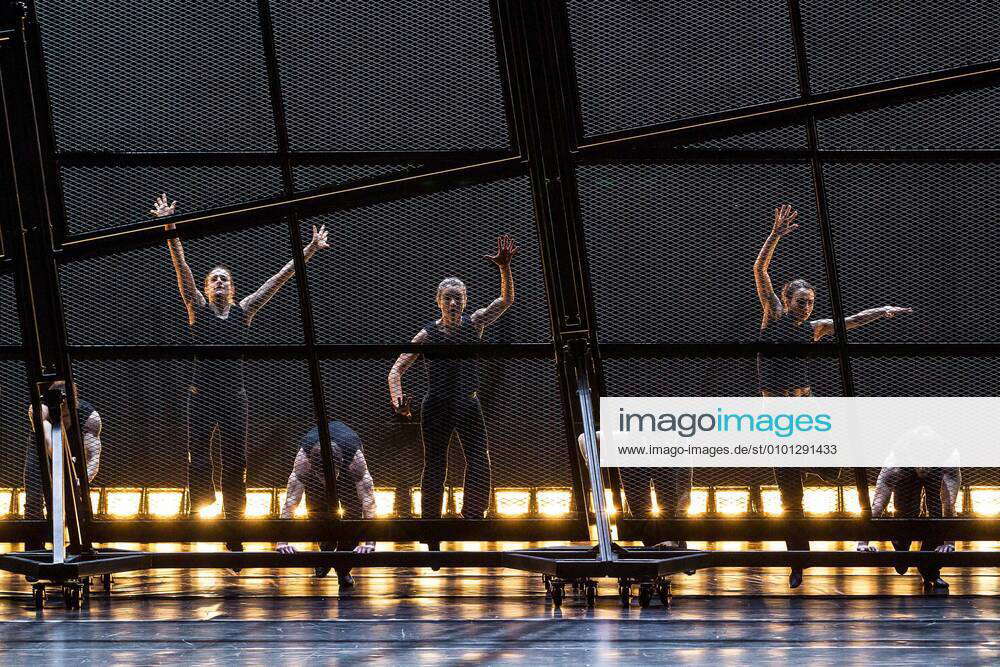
[784,217]
[46,426]
[400,401]
[190,295]
[293,494]
[825,327]
[366,494]
[506,250]
[883,491]
[254,302]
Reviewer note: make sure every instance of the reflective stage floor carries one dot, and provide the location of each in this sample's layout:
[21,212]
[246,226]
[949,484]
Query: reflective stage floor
[415,616]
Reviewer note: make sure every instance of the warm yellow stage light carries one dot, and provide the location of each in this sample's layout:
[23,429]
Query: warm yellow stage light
[259,503]
[820,500]
[6,495]
[213,511]
[699,502]
[609,504]
[416,495]
[732,502]
[770,498]
[164,502]
[985,500]
[124,502]
[300,512]
[21,495]
[385,502]
[553,502]
[95,499]
[457,498]
[513,502]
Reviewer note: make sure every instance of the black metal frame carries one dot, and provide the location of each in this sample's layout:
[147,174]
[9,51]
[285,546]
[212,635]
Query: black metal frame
[548,143]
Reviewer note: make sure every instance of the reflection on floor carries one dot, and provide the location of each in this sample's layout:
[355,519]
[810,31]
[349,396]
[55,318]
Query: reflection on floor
[410,616]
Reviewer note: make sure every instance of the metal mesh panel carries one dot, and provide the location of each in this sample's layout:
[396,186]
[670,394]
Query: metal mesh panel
[731,488]
[144,408]
[156,76]
[671,247]
[103,197]
[854,42]
[10,328]
[390,258]
[788,137]
[132,298]
[968,119]
[382,76]
[312,177]
[643,63]
[894,247]
[14,428]
[931,376]
[521,408]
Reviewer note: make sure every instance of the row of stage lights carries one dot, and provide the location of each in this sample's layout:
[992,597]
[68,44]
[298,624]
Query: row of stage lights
[158,503]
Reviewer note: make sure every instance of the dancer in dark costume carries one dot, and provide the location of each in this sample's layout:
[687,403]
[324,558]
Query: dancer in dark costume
[355,489]
[218,401]
[451,404]
[786,320]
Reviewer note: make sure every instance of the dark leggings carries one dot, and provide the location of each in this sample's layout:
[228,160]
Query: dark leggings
[907,503]
[225,412]
[790,484]
[670,484]
[439,418]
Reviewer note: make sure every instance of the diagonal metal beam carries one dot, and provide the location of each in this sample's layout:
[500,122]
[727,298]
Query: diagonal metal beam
[798,109]
[271,210]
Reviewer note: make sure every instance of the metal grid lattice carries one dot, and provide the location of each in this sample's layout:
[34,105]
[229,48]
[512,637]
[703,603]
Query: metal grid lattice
[107,197]
[120,79]
[10,328]
[14,428]
[638,64]
[969,119]
[521,409]
[691,233]
[786,138]
[851,43]
[893,226]
[368,89]
[387,280]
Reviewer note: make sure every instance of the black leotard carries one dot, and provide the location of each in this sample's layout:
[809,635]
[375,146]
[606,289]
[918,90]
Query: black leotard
[452,378]
[779,374]
[210,329]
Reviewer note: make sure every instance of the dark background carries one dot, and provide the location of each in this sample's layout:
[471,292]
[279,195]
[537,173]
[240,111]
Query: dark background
[670,242]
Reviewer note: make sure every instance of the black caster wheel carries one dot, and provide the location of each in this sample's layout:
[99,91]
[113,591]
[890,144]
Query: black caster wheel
[591,593]
[625,591]
[645,594]
[38,596]
[663,591]
[67,592]
[558,593]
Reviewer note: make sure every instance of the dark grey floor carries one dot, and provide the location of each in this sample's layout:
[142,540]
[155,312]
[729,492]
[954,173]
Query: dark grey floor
[406,616]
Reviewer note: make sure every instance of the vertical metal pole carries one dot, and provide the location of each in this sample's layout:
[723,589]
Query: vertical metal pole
[58,508]
[826,235]
[602,520]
